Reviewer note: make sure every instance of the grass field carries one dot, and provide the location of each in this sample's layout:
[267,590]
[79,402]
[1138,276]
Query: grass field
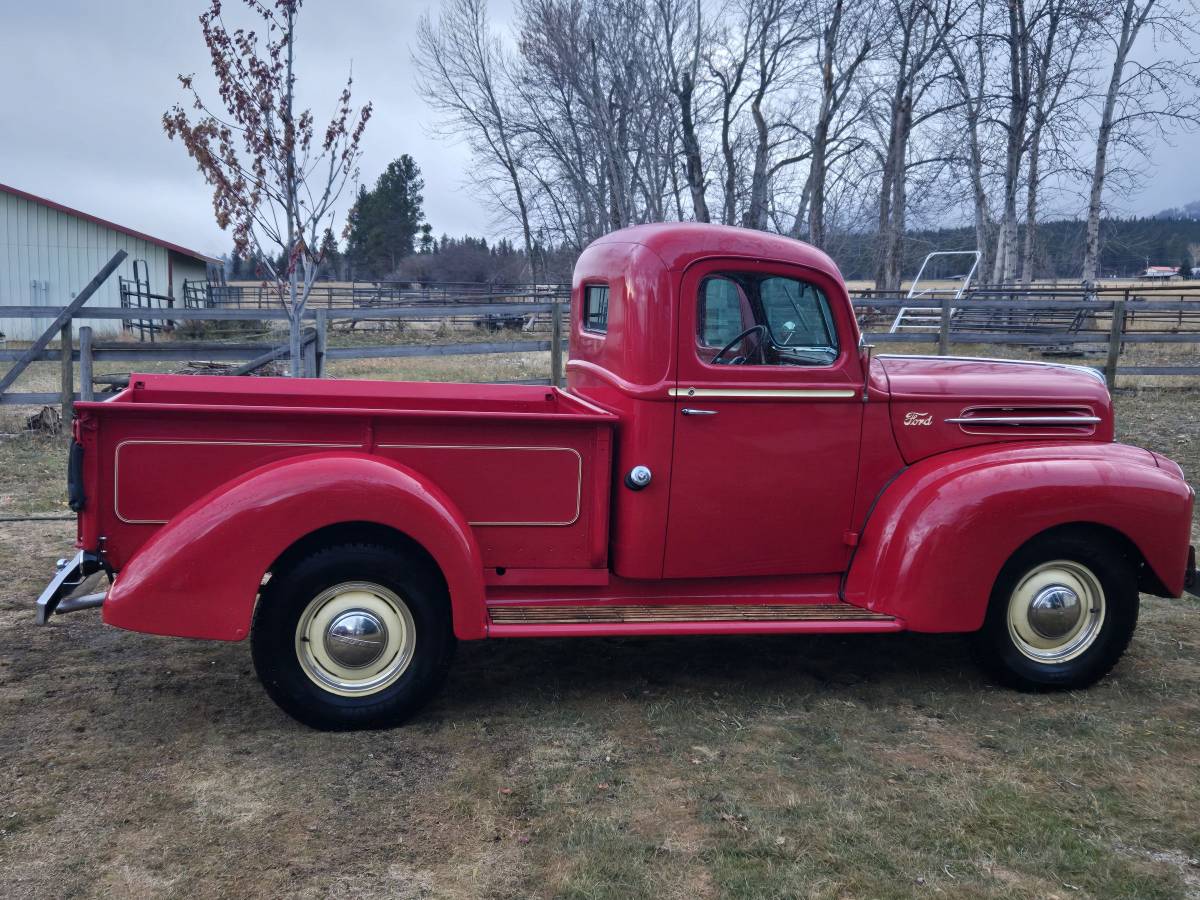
[837,767]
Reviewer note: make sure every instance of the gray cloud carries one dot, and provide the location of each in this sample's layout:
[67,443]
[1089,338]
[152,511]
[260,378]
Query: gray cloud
[86,84]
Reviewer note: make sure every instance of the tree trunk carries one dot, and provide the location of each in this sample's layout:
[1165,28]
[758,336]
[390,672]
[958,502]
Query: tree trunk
[296,361]
[756,210]
[1031,204]
[1129,30]
[694,166]
[814,190]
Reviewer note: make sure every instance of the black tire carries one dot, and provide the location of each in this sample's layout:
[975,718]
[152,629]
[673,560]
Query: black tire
[999,646]
[286,598]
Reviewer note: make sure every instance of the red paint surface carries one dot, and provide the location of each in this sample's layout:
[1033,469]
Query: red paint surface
[517,491]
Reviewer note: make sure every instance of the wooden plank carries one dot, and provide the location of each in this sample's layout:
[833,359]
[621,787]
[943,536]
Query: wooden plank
[944,329]
[468,349]
[1158,370]
[361,314]
[1114,343]
[112,312]
[67,370]
[556,354]
[64,317]
[87,389]
[31,398]
[322,341]
[261,360]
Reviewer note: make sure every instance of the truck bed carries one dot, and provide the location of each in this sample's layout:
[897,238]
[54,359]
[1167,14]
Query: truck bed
[528,466]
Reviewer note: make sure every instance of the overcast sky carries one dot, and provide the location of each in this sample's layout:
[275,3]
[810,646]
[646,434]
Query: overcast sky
[85,84]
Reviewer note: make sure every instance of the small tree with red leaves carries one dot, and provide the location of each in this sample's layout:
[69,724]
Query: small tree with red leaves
[275,179]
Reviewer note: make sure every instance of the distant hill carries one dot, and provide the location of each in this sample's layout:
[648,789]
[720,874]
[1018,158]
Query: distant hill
[1127,246]
[1187,211]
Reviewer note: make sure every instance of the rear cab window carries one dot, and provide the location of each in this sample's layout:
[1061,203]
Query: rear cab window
[595,308]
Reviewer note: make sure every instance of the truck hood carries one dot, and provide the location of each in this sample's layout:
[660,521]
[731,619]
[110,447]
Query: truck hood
[941,403]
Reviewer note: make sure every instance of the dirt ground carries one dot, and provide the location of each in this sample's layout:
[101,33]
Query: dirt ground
[837,767]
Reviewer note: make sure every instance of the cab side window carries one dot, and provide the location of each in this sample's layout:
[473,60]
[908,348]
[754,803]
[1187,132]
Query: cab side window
[720,312]
[783,321]
[595,308]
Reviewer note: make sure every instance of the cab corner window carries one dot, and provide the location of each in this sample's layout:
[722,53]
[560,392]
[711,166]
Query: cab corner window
[595,308]
[756,318]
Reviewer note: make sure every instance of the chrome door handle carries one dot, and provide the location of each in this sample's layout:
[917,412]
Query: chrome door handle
[698,412]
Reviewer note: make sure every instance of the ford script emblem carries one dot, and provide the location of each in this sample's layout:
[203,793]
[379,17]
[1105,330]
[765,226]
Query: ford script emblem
[918,418]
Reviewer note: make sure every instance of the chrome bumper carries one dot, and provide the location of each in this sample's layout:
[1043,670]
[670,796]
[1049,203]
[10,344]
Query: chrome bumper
[71,574]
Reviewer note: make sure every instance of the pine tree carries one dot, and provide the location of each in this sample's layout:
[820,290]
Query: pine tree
[384,223]
[329,256]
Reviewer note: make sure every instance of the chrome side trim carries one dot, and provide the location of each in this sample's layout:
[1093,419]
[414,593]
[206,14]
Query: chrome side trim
[768,393]
[121,446]
[572,450]
[576,614]
[1025,420]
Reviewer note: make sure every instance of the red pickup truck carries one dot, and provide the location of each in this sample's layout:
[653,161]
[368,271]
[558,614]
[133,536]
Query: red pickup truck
[727,458]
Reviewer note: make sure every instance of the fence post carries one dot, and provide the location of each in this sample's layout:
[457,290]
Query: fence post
[86,390]
[322,337]
[308,354]
[1115,334]
[556,333]
[66,344]
[944,329]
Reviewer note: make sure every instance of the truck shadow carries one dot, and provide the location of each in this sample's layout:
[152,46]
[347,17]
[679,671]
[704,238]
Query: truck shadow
[504,672]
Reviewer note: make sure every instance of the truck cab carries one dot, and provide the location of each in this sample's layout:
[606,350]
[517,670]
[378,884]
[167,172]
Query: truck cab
[727,457]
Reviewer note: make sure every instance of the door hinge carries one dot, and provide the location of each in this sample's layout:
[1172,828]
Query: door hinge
[850,538]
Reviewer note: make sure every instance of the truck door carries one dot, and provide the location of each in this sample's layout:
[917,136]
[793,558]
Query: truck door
[768,414]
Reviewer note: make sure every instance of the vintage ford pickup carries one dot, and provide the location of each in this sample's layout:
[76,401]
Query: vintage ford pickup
[727,458]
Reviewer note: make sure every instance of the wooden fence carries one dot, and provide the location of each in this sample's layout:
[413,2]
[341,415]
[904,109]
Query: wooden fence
[1109,331]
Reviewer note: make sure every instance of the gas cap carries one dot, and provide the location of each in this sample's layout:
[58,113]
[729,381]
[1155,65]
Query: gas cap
[638,478]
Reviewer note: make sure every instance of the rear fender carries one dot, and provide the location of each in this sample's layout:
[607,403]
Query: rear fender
[198,576]
[942,530]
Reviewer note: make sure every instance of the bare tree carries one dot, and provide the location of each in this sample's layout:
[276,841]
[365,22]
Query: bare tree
[970,57]
[1141,97]
[679,27]
[918,31]
[844,45]
[461,69]
[1058,39]
[1016,52]
[275,179]
[778,29]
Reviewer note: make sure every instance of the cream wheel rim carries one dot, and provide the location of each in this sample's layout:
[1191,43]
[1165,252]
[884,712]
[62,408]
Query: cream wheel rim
[1056,612]
[355,639]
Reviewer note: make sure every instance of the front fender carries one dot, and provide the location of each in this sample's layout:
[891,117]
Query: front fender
[198,576]
[942,530]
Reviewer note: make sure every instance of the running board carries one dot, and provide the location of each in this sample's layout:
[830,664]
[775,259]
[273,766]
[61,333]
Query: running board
[561,620]
[556,614]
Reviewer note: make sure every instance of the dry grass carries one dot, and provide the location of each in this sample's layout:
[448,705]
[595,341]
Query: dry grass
[831,767]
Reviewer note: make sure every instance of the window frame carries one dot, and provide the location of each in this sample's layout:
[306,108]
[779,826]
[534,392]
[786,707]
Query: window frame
[731,273]
[584,307]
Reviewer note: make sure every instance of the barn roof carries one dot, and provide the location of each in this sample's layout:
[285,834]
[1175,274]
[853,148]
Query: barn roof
[166,245]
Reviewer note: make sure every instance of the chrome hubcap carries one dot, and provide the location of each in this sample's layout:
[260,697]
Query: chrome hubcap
[355,639]
[1056,611]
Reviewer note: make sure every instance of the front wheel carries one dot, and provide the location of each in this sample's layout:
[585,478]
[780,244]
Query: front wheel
[1061,614]
[352,636]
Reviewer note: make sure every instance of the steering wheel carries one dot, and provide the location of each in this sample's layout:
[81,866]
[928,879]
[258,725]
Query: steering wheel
[764,337]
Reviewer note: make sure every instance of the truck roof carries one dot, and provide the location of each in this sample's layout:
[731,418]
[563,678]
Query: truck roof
[678,244]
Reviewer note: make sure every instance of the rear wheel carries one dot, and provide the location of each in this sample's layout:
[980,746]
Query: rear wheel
[1062,612]
[353,636]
